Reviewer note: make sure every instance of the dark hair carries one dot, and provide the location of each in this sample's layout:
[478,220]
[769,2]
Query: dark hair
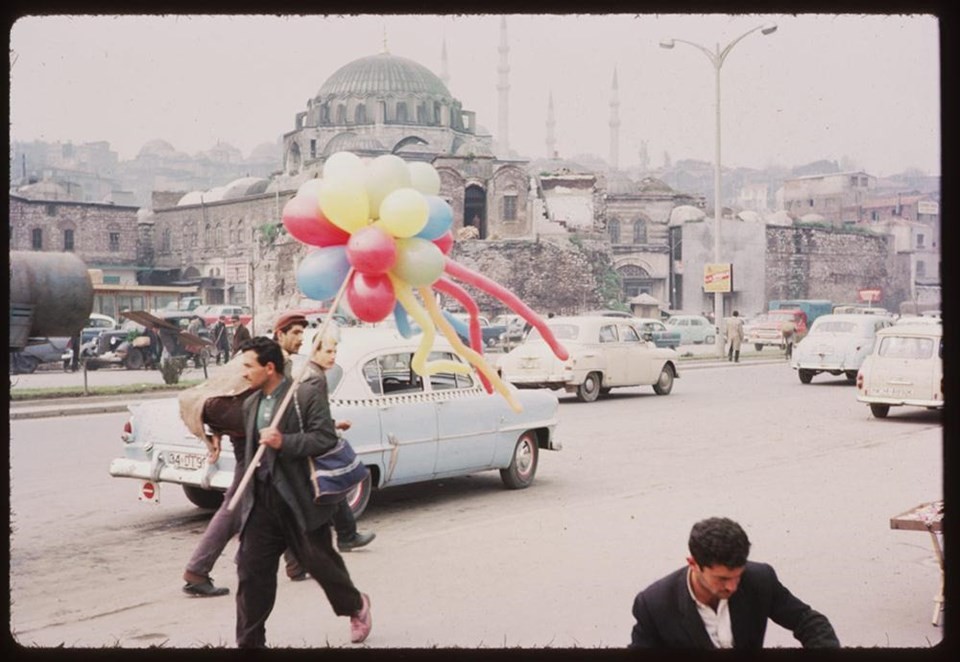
[736,313]
[719,541]
[268,351]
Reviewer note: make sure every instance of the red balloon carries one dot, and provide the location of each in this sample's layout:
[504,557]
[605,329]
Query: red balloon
[371,297]
[305,222]
[444,242]
[372,250]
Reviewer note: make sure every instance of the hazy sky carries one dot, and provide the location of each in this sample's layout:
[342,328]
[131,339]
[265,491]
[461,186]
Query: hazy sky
[822,86]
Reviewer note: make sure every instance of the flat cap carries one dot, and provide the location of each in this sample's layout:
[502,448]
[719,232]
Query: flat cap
[287,320]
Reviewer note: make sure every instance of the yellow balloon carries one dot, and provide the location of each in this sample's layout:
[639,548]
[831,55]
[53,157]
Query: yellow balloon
[404,212]
[344,202]
[424,177]
[385,174]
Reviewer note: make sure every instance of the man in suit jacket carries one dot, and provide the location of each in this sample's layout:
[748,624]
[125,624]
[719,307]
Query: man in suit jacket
[241,334]
[721,600]
[277,510]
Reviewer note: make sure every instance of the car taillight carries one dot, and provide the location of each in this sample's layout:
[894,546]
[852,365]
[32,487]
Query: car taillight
[859,381]
[127,434]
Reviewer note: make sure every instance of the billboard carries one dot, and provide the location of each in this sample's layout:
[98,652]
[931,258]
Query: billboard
[718,277]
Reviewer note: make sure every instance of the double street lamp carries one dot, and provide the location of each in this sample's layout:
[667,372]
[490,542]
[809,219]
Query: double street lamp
[717,58]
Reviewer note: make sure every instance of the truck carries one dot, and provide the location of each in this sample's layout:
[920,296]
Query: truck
[812,308]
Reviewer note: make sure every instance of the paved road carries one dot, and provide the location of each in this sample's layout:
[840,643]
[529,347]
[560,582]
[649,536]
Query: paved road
[809,473]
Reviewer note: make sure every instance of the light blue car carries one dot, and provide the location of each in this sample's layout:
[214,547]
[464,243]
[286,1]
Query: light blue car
[694,329]
[405,428]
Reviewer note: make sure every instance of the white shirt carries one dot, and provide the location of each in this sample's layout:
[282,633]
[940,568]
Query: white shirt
[717,623]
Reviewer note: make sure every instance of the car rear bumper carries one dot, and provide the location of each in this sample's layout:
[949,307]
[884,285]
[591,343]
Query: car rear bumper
[896,402]
[209,477]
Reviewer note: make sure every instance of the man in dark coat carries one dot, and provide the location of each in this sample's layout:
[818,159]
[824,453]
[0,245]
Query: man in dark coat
[721,600]
[241,334]
[221,339]
[277,510]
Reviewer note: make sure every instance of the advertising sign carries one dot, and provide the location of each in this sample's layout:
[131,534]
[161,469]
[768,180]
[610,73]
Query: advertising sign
[928,207]
[870,294]
[718,277]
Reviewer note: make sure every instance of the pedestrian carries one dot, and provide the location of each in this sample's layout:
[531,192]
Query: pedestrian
[323,366]
[734,336]
[240,334]
[221,339]
[212,410]
[193,328]
[277,509]
[788,330]
[721,600]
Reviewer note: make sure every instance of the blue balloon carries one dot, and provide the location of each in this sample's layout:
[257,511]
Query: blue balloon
[403,322]
[439,218]
[322,272]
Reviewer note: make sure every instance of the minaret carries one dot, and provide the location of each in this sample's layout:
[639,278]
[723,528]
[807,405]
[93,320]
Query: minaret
[615,124]
[444,74]
[551,123]
[644,158]
[503,90]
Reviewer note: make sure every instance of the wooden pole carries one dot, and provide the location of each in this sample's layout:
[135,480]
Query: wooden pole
[317,339]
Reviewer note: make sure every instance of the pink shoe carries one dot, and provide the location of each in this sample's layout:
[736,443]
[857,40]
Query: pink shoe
[361,623]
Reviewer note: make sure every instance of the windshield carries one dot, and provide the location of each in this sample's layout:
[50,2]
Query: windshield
[560,332]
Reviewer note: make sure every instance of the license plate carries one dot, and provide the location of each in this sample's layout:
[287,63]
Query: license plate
[892,392]
[529,363]
[185,460]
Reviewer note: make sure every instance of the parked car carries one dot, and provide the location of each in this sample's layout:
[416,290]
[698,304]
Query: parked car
[764,329]
[905,369]
[38,352]
[694,329]
[89,335]
[211,313]
[405,428]
[837,344]
[490,334]
[605,353]
[657,332]
[609,313]
[514,326]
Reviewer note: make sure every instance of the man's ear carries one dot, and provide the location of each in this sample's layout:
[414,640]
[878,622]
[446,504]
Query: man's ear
[692,562]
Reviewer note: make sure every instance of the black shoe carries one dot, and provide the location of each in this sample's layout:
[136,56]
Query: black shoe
[204,589]
[358,540]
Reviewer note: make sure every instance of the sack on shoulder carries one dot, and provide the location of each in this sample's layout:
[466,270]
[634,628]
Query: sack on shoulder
[335,473]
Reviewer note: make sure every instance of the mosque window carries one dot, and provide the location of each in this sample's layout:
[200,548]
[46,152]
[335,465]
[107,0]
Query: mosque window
[68,240]
[341,114]
[421,114]
[218,235]
[114,241]
[313,148]
[613,229]
[36,239]
[360,115]
[436,113]
[510,207]
[639,231]
[165,241]
[402,112]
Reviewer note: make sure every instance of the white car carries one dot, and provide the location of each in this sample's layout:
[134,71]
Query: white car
[405,428]
[605,353]
[837,344]
[905,368]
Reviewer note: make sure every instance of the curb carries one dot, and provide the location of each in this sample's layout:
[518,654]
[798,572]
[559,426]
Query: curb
[67,411]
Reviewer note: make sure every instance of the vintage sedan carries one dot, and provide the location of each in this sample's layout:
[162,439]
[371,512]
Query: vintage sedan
[694,329]
[405,428]
[837,344]
[765,329]
[605,353]
[905,369]
[657,332]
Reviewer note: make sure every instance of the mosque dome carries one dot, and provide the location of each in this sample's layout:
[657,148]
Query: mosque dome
[157,148]
[683,213]
[245,186]
[383,74]
[348,141]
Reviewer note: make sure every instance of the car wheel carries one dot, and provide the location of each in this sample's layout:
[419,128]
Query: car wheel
[879,411]
[523,466]
[25,365]
[758,347]
[851,376]
[491,342]
[806,376]
[664,382]
[709,340]
[207,499]
[589,390]
[359,496]
[133,360]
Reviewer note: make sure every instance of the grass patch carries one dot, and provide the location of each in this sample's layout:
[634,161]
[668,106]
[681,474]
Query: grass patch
[77,391]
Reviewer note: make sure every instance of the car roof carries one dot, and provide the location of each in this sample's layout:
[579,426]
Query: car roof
[362,340]
[912,330]
[856,318]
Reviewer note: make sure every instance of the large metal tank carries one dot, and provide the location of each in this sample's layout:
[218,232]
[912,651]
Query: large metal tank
[50,295]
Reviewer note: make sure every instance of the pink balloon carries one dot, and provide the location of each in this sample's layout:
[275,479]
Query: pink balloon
[306,223]
[371,297]
[372,250]
[444,242]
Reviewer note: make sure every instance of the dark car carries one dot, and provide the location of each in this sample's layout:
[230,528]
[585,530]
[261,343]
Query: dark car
[39,351]
[133,348]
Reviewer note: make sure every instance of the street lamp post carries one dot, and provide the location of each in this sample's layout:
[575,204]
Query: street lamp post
[717,58]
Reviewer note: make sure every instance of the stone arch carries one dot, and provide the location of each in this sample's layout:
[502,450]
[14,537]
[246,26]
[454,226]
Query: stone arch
[408,140]
[475,208]
[191,272]
[636,276]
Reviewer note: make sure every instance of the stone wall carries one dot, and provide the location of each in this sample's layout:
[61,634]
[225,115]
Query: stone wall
[818,263]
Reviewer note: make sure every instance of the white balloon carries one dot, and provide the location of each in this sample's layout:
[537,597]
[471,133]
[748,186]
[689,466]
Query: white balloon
[424,177]
[310,187]
[343,164]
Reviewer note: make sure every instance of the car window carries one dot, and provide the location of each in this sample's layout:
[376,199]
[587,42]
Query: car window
[833,326]
[903,347]
[629,334]
[447,380]
[560,332]
[608,333]
[392,373]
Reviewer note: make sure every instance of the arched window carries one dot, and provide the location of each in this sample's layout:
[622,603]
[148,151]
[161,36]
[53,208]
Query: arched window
[401,112]
[639,231]
[613,229]
[341,114]
[165,241]
[218,237]
[421,114]
[208,235]
[68,239]
[36,239]
[360,114]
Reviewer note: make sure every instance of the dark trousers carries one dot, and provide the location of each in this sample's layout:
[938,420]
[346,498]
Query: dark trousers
[271,527]
[344,522]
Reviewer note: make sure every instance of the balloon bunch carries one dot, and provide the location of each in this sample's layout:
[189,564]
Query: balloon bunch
[381,229]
